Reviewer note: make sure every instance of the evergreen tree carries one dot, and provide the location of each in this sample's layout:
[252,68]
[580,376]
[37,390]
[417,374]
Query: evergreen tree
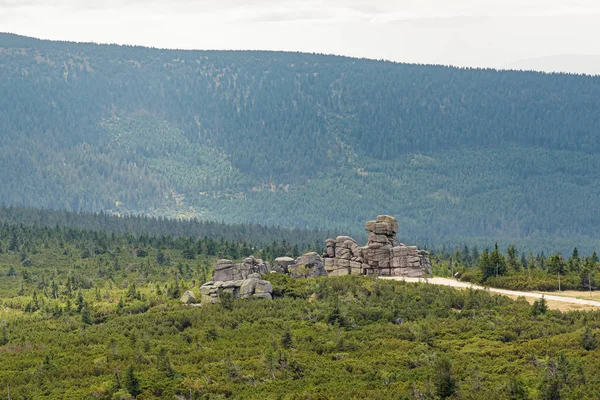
[132,383]
[515,390]
[287,341]
[512,259]
[589,341]
[540,307]
[445,385]
[4,337]
[556,264]
[161,259]
[574,262]
[587,274]
[532,261]
[86,316]
[465,256]
[485,266]
[163,363]
[524,261]
[14,243]
[474,254]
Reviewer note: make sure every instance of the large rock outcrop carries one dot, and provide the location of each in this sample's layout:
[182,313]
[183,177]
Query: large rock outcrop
[343,257]
[226,270]
[242,280]
[252,286]
[382,255]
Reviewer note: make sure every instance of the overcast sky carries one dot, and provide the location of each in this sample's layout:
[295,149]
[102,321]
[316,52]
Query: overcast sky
[491,33]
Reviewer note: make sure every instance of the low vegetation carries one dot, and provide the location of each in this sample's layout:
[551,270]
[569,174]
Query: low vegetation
[90,315]
[520,271]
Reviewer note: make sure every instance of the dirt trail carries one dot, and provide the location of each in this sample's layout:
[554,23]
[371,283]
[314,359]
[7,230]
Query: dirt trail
[512,293]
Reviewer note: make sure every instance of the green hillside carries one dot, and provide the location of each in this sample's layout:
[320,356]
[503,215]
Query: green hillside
[88,314]
[290,139]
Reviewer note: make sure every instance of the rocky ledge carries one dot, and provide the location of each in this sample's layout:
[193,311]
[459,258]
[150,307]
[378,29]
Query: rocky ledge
[382,256]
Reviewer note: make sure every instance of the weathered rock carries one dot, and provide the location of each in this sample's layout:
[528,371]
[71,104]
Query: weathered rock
[188,298]
[223,271]
[252,287]
[343,263]
[341,252]
[340,272]
[342,239]
[263,287]
[282,264]
[205,289]
[248,287]
[241,280]
[382,254]
[206,299]
[308,265]
[226,270]
[263,296]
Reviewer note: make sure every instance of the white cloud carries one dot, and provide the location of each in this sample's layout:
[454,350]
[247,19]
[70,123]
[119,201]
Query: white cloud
[462,32]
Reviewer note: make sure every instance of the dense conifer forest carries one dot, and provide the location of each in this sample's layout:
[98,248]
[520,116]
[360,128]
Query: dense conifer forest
[256,235]
[87,313]
[305,140]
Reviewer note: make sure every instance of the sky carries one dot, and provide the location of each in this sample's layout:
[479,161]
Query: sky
[537,34]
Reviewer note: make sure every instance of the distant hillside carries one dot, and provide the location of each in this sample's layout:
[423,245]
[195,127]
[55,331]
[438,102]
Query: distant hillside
[290,139]
[254,235]
[568,63]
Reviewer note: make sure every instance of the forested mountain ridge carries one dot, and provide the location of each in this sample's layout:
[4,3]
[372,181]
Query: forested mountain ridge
[458,155]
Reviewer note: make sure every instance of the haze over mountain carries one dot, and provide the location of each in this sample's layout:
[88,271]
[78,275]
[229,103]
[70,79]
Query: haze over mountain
[568,63]
[473,33]
[306,140]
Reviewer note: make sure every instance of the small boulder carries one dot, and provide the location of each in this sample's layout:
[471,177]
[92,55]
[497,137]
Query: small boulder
[263,287]
[281,264]
[248,287]
[188,298]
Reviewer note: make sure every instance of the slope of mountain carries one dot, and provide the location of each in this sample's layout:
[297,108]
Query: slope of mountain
[458,155]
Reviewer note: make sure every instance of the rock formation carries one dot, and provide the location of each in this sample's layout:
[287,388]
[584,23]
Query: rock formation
[282,264]
[242,280]
[226,270]
[188,298]
[382,255]
[343,257]
[252,286]
[308,265]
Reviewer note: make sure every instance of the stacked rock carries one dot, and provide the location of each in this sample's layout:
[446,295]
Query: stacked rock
[407,261]
[382,255]
[253,286]
[344,257]
[282,264]
[377,254]
[226,270]
[307,266]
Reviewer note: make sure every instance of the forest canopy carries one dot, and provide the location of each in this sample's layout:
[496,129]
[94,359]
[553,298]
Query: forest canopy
[312,141]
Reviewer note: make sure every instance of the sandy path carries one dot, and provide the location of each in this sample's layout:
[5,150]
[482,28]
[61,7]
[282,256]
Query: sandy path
[452,282]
